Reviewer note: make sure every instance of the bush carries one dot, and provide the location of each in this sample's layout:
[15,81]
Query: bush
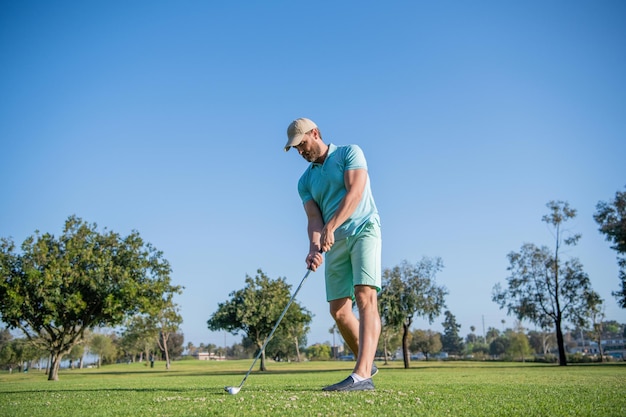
[579,358]
[547,358]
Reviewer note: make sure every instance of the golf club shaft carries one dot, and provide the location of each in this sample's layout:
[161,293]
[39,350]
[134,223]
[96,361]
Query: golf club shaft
[275,327]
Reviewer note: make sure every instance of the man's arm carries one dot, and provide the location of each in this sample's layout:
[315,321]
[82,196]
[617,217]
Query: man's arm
[315,224]
[355,180]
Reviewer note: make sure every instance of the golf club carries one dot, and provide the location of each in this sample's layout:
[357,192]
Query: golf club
[235,390]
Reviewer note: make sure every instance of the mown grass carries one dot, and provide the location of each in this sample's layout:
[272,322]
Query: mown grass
[193,388]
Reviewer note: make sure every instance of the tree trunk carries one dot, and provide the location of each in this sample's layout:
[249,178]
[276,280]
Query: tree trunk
[386,353]
[405,346]
[544,337]
[167,354]
[599,341]
[55,362]
[297,349]
[262,367]
[561,344]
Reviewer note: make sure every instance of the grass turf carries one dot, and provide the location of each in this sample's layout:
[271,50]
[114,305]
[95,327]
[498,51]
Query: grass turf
[194,388]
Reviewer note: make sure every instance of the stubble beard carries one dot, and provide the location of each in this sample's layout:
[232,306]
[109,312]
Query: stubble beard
[313,155]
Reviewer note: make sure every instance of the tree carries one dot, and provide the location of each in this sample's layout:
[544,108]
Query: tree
[471,337]
[409,291]
[542,341]
[167,321]
[613,328]
[542,287]
[451,341]
[318,352]
[139,336]
[288,338]
[236,351]
[474,344]
[6,350]
[101,345]
[389,328]
[595,317]
[255,309]
[58,288]
[427,342]
[76,354]
[519,347]
[499,346]
[612,220]
[175,345]
[390,340]
[492,334]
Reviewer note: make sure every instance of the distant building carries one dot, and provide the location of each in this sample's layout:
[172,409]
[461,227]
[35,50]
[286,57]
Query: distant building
[614,347]
[205,356]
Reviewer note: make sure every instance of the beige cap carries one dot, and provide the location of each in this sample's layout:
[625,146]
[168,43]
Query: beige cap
[296,131]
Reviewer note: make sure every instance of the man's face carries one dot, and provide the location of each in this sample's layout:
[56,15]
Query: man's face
[310,148]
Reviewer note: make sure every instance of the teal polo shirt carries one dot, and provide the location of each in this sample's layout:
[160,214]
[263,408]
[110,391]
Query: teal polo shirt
[324,184]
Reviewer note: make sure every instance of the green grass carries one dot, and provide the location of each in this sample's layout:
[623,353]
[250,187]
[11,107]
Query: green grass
[193,388]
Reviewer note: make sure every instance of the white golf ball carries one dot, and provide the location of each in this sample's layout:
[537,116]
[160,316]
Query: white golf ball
[232,390]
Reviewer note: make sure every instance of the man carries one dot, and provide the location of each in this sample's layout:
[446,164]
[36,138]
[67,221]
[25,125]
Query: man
[343,223]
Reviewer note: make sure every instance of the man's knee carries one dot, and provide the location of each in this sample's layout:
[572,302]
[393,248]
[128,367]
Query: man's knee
[340,309]
[366,296]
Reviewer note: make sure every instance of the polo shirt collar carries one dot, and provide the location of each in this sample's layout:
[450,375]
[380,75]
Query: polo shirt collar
[331,148]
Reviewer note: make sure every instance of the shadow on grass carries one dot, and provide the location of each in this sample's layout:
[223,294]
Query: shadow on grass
[196,373]
[417,366]
[209,390]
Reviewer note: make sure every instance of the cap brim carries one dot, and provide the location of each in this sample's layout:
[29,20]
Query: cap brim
[294,141]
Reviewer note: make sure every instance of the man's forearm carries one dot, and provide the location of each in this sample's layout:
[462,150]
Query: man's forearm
[347,206]
[315,227]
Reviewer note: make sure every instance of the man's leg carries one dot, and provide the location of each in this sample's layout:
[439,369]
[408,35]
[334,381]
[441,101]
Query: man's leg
[354,331]
[363,265]
[347,323]
[369,329]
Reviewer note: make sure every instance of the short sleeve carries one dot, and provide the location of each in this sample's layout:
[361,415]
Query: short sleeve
[303,189]
[355,158]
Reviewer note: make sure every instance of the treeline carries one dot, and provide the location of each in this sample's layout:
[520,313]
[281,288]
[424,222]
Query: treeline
[20,353]
[511,344]
[57,290]
[544,287]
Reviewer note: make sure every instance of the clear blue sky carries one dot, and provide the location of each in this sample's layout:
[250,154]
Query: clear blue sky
[169,118]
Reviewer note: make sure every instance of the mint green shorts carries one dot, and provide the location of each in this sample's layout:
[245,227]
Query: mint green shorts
[355,260]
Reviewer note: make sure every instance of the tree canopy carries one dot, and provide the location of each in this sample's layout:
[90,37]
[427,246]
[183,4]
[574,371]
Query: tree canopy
[56,288]
[409,291]
[254,310]
[451,342]
[427,342]
[544,288]
[612,220]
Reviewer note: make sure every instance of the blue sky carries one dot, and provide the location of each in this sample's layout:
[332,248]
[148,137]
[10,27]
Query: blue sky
[169,118]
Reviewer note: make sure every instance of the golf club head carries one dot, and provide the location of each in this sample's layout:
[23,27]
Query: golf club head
[232,390]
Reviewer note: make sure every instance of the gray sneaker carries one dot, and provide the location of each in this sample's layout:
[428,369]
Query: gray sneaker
[349,384]
[374,370]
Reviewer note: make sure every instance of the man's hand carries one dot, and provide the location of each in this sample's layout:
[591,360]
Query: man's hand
[327,239]
[314,260]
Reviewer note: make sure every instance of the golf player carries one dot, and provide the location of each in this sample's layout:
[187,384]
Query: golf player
[343,223]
